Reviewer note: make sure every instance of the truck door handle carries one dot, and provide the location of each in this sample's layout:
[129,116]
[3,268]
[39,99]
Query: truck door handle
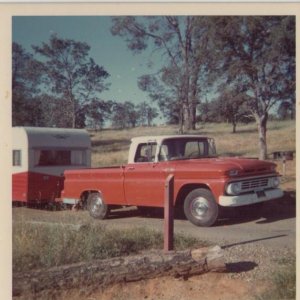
[130,168]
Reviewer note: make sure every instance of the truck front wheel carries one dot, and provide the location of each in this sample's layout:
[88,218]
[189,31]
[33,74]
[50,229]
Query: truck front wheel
[96,206]
[200,207]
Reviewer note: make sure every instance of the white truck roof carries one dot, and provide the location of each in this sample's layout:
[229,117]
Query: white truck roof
[160,138]
[155,139]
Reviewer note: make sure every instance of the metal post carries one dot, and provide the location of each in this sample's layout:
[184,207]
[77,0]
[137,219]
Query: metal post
[169,214]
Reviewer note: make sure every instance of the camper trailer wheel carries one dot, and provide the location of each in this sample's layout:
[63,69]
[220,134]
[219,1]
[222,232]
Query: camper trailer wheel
[96,206]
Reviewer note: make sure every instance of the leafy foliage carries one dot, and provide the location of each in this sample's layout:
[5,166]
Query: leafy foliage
[255,63]
[66,77]
[71,74]
[25,79]
[126,115]
[178,39]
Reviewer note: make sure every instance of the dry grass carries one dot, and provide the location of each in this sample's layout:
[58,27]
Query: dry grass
[110,147]
[42,246]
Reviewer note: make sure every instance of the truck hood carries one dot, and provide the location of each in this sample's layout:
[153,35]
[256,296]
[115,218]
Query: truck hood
[222,165]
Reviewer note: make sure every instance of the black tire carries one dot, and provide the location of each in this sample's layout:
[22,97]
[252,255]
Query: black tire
[200,207]
[96,206]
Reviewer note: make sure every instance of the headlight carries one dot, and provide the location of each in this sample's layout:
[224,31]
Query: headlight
[233,172]
[274,182]
[234,188]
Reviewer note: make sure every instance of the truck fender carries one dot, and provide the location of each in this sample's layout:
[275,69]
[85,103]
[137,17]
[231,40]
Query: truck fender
[186,189]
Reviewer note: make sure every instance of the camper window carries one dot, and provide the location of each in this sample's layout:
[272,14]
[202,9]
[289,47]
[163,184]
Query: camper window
[16,157]
[77,157]
[59,157]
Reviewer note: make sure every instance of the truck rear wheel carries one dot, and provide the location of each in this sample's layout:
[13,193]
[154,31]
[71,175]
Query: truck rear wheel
[96,206]
[200,207]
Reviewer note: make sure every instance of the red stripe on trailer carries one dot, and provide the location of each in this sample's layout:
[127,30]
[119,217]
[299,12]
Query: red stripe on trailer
[32,186]
[20,186]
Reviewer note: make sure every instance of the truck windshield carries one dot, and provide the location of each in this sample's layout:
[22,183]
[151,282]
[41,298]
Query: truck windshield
[187,148]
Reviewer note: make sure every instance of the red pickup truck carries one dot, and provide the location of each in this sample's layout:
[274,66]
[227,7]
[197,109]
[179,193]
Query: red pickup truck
[203,181]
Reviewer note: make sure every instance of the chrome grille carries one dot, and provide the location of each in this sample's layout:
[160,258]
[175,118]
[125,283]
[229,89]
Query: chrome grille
[255,183]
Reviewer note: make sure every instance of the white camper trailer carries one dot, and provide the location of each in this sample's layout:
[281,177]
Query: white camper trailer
[40,157]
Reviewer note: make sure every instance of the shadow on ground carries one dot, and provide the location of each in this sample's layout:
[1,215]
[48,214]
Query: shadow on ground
[239,267]
[267,212]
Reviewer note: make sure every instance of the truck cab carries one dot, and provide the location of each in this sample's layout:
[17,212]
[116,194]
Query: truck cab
[166,148]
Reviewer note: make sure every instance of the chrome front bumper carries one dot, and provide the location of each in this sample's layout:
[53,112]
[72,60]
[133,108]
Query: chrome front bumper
[251,198]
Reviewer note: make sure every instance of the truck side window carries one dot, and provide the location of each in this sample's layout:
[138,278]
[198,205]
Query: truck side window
[16,158]
[194,148]
[145,152]
[164,153]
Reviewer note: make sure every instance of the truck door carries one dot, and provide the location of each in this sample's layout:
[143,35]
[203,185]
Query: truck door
[144,179]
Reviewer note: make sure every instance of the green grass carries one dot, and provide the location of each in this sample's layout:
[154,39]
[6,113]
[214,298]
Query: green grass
[283,280]
[36,246]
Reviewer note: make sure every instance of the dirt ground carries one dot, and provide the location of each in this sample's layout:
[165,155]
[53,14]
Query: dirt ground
[210,286]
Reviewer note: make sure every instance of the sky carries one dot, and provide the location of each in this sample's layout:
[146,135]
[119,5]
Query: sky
[107,50]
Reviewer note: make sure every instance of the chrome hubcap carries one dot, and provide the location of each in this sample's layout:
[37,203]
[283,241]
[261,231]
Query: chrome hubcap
[97,204]
[200,208]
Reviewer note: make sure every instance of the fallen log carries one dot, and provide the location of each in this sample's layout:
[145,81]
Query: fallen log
[101,273]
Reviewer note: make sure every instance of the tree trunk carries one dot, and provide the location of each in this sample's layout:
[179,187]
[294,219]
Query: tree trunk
[180,120]
[194,93]
[101,273]
[193,116]
[234,124]
[73,114]
[233,127]
[262,135]
[187,120]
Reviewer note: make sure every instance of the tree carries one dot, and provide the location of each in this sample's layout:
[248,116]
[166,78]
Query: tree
[97,112]
[259,57]
[25,83]
[124,115]
[165,95]
[146,113]
[286,110]
[52,114]
[232,105]
[70,73]
[179,40]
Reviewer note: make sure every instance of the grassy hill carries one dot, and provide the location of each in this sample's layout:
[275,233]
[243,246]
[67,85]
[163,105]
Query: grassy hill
[110,147]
